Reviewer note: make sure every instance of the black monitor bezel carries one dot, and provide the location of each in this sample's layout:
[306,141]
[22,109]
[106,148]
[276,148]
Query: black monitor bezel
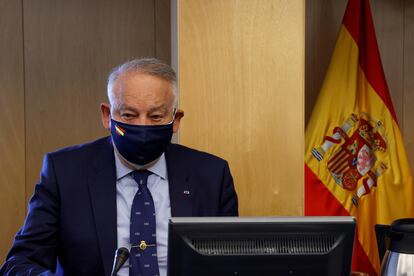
[181,228]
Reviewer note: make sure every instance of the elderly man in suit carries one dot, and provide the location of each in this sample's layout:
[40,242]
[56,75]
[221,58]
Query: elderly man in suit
[120,190]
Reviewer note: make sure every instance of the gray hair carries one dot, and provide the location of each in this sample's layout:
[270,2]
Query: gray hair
[150,66]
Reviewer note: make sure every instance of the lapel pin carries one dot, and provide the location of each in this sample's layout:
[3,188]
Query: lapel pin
[186,192]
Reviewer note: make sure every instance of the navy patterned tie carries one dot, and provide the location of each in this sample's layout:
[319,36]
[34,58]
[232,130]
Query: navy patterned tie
[143,255]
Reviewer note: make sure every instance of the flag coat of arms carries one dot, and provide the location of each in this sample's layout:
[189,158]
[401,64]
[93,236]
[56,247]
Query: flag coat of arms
[355,160]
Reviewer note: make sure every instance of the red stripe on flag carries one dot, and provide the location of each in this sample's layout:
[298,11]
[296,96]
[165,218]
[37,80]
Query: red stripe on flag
[319,201]
[359,23]
[362,263]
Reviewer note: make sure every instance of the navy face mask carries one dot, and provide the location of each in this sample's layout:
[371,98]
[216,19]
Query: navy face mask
[141,144]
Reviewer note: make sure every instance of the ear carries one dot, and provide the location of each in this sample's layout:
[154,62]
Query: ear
[105,115]
[178,115]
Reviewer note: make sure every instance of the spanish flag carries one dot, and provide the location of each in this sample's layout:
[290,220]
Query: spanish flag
[355,158]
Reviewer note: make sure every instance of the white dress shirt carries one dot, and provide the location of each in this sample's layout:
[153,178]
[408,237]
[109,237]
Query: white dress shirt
[126,187]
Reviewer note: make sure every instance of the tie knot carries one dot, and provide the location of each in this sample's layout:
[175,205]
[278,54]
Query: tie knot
[141,176]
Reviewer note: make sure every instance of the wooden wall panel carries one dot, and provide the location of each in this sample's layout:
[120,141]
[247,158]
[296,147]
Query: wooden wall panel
[70,47]
[56,58]
[394,27]
[241,67]
[163,30]
[12,161]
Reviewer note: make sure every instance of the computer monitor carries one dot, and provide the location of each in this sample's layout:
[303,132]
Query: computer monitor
[224,246]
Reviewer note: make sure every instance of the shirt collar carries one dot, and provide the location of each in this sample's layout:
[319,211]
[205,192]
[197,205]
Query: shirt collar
[159,168]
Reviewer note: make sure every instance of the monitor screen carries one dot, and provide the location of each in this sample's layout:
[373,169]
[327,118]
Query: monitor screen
[260,246]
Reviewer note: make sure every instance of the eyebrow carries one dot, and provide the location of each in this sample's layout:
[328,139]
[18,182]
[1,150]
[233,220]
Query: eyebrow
[161,107]
[125,107]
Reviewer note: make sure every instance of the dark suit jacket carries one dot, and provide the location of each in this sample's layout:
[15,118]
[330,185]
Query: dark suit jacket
[71,221]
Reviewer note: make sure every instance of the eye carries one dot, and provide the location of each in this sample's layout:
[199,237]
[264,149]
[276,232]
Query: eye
[156,117]
[126,115]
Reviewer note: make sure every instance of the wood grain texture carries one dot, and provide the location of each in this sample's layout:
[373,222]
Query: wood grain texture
[56,58]
[12,161]
[241,67]
[163,30]
[70,47]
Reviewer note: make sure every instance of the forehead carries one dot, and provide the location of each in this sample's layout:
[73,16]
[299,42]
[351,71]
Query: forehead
[141,90]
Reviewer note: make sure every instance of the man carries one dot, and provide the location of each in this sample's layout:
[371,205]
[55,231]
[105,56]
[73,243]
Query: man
[94,198]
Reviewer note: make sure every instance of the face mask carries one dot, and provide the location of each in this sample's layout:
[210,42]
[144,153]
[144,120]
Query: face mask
[141,144]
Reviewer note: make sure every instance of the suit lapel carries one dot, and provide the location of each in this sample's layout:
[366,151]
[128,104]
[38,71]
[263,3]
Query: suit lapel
[180,184]
[102,187]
